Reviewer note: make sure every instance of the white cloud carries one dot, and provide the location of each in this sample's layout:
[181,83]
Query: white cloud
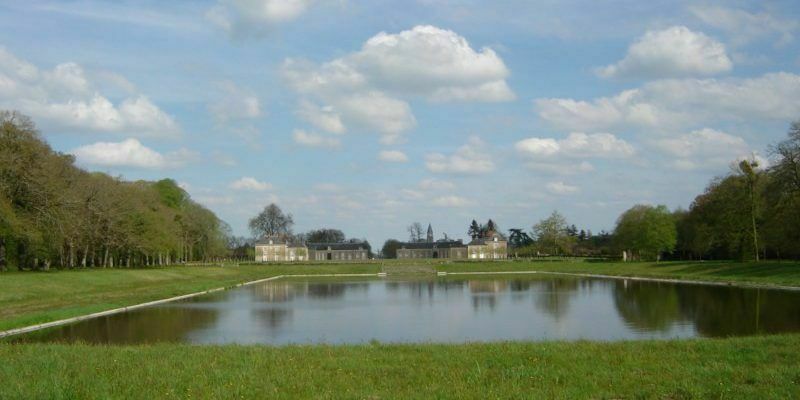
[311,139]
[745,27]
[450,201]
[673,52]
[436,184]
[704,148]
[471,158]
[250,184]
[325,118]
[65,98]
[244,18]
[561,188]
[395,156]
[560,167]
[130,153]
[234,103]
[675,103]
[367,88]
[599,145]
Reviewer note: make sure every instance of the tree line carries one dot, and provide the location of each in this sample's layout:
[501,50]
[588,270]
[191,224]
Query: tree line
[54,214]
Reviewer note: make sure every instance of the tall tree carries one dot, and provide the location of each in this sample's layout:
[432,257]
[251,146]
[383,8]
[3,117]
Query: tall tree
[646,231]
[325,235]
[551,234]
[748,170]
[474,230]
[389,249]
[415,232]
[271,222]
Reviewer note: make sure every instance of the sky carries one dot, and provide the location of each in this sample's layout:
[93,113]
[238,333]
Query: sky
[367,116]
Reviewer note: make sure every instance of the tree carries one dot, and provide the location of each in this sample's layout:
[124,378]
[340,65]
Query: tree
[325,235]
[748,170]
[551,234]
[389,249]
[518,238]
[271,222]
[474,230]
[646,231]
[415,232]
[787,168]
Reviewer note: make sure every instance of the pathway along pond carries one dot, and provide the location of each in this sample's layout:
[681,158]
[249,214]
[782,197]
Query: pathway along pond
[446,310]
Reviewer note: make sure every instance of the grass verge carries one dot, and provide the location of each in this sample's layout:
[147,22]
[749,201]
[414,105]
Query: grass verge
[753,367]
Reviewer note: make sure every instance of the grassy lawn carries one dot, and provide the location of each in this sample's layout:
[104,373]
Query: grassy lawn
[754,367]
[765,273]
[28,298]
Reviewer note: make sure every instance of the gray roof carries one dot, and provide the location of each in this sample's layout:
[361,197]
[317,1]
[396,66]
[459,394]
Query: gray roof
[278,240]
[432,245]
[337,246]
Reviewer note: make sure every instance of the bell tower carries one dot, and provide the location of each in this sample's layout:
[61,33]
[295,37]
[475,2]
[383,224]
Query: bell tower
[430,234]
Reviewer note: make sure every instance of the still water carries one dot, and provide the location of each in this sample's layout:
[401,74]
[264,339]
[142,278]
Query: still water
[447,310]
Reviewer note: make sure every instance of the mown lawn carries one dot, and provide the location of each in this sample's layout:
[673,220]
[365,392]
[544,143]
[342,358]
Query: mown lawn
[785,273]
[753,367]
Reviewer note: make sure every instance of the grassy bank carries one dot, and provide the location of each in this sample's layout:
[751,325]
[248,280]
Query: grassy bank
[763,273]
[28,298]
[755,367]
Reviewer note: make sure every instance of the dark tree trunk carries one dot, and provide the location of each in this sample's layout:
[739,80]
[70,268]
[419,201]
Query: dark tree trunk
[3,263]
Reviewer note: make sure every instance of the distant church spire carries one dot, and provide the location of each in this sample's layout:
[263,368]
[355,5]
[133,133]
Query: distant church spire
[430,234]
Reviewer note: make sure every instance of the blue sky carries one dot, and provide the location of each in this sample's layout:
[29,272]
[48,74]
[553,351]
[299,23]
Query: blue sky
[367,116]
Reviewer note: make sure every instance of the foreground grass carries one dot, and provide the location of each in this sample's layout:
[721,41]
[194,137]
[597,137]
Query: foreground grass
[28,298]
[755,367]
[763,273]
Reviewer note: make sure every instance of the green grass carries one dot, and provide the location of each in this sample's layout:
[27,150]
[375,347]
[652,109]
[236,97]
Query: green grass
[28,298]
[755,367]
[763,273]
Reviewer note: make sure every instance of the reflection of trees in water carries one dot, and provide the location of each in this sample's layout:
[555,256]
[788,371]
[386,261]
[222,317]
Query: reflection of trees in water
[553,295]
[148,325]
[484,293]
[713,310]
[726,311]
[332,290]
[647,306]
[272,317]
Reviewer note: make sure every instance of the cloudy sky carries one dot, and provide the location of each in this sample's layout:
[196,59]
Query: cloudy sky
[369,115]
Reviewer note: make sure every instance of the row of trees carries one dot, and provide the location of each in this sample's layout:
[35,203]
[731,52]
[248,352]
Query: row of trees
[751,213]
[53,213]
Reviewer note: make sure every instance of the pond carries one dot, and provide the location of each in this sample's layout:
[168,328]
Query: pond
[453,310]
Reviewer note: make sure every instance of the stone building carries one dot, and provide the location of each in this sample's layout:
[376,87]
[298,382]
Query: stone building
[280,249]
[338,251]
[453,249]
[492,247]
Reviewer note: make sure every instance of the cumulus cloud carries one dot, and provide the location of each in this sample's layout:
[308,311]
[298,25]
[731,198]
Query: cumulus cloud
[745,27]
[254,18]
[561,188]
[471,158]
[65,98]
[368,88]
[674,103]
[324,118]
[703,148]
[310,139]
[599,145]
[436,184]
[672,52]
[250,184]
[450,201]
[130,153]
[395,156]
[234,103]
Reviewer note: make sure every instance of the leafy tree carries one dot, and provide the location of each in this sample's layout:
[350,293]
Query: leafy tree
[646,231]
[325,235]
[389,249]
[551,234]
[748,171]
[518,238]
[271,222]
[474,230]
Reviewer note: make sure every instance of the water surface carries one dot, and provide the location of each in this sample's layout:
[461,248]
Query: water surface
[447,310]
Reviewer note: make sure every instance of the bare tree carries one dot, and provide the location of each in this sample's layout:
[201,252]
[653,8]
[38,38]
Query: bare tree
[415,232]
[271,222]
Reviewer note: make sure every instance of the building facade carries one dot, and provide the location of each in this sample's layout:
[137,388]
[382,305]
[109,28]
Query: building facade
[493,247]
[280,249]
[338,251]
[452,249]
